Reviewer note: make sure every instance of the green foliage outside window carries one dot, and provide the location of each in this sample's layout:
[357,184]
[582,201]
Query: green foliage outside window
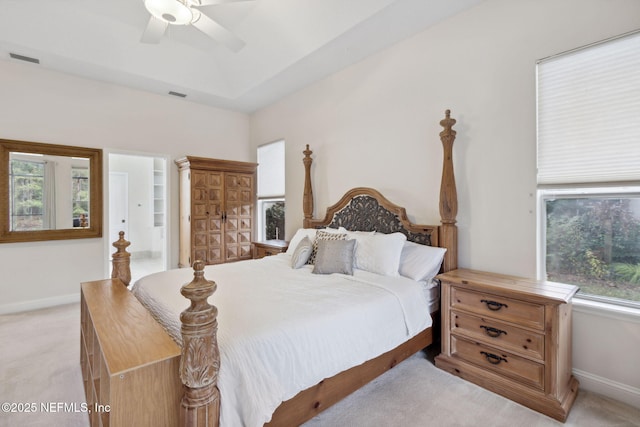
[595,243]
[274,218]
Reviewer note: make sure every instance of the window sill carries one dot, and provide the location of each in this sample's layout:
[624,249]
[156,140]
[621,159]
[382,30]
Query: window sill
[603,309]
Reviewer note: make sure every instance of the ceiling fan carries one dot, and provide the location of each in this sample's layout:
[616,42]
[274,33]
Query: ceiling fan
[185,12]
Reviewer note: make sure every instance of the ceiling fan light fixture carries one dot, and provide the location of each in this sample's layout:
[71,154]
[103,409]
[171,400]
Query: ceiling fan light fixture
[175,12]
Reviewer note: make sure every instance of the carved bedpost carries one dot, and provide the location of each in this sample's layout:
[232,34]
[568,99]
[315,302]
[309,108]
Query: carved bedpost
[200,361]
[448,196]
[121,260]
[307,198]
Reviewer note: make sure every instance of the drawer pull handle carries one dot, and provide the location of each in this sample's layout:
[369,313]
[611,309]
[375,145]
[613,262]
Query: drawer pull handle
[494,305]
[492,358]
[493,332]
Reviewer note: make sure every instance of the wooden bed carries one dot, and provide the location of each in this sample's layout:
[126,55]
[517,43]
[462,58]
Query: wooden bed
[134,374]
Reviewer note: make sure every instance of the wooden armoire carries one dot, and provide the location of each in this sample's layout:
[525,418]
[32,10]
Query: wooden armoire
[217,203]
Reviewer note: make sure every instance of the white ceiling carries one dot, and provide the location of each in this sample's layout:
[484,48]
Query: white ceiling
[289,43]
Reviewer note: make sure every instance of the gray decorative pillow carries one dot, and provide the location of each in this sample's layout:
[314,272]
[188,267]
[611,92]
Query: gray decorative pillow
[324,235]
[301,253]
[334,256]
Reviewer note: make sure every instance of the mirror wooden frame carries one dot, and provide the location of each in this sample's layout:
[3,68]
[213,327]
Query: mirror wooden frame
[94,155]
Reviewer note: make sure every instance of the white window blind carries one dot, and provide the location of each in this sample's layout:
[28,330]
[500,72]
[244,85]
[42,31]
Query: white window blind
[589,114]
[271,170]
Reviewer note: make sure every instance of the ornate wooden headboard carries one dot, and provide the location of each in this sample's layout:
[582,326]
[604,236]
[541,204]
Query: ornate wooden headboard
[366,209]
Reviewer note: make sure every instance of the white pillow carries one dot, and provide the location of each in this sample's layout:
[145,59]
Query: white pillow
[339,230]
[301,234]
[378,253]
[420,262]
[302,253]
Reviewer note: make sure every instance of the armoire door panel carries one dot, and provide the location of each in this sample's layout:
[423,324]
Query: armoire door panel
[232,195]
[214,256]
[245,196]
[199,210]
[231,225]
[200,226]
[215,224]
[198,179]
[245,181]
[245,225]
[199,195]
[245,250]
[215,195]
[230,238]
[214,179]
[200,239]
[215,240]
[199,254]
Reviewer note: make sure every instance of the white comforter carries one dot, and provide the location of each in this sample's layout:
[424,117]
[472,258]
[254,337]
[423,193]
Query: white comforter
[283,330]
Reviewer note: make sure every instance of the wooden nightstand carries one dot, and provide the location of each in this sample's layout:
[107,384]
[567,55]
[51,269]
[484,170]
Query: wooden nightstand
[269,247]
[510,335]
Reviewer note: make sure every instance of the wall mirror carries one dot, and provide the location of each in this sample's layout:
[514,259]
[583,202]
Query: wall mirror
[49,192]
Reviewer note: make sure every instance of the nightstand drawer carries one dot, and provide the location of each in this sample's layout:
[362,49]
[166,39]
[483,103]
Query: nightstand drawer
[498,307]
[503,335]
[504,363]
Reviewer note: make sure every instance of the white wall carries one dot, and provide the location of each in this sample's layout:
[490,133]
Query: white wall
[375,124]
[45,106]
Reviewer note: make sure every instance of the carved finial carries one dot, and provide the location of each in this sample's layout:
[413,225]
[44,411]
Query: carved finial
[307,152]
[200,288]
[121,260]
[447,123]
[307,198]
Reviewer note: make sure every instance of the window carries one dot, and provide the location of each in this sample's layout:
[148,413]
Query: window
[588,174]
[26,180]
[271,191]
[37,181]
[80,196]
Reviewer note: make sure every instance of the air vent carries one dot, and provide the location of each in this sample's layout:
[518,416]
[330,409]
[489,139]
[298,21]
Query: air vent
[181,95]
[24,58]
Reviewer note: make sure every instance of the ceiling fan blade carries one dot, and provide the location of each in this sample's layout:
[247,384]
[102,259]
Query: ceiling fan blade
[212,2]
[218,32]
[154,31]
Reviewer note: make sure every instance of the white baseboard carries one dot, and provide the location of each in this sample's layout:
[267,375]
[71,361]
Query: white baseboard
[606,387]
[18,307]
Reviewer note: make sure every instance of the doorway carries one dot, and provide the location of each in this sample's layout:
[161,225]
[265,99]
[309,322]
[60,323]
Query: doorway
[137,206]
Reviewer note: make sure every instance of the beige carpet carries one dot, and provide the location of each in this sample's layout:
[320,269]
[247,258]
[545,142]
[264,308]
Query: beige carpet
[39,363]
